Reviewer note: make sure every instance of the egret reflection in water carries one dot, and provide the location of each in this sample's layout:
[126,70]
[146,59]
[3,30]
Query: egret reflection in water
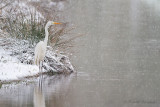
[32,93]
[39,99]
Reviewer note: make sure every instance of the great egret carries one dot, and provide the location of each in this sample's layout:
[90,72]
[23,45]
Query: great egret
[40,49]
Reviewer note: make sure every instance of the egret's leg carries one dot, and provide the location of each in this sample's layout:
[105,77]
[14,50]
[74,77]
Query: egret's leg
[42,69]
[40,73]
[39,77]
[39,67]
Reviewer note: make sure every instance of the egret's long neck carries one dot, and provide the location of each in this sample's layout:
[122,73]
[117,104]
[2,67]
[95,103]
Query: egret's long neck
[46,35]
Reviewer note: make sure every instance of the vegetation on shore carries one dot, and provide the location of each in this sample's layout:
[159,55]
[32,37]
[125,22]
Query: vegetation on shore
[29,24]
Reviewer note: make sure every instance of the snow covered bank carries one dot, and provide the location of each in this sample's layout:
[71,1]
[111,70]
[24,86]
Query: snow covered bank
[17,57]
[12,69]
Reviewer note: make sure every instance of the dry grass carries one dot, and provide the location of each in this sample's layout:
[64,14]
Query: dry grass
[67,38]
[19,26]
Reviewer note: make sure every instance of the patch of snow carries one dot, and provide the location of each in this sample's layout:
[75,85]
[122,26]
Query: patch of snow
[12,69]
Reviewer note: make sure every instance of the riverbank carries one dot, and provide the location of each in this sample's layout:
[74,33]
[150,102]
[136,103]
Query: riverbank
[17,60]
[22,24]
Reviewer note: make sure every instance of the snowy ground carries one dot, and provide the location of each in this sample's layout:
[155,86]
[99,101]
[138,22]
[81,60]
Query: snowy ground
[12,69]
[17,57]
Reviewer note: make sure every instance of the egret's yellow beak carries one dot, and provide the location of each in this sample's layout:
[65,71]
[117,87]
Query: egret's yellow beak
[56,23]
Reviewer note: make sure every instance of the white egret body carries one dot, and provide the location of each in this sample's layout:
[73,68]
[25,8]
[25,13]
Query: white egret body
[40,49]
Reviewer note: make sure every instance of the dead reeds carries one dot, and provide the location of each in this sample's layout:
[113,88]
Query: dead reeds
[31,26]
